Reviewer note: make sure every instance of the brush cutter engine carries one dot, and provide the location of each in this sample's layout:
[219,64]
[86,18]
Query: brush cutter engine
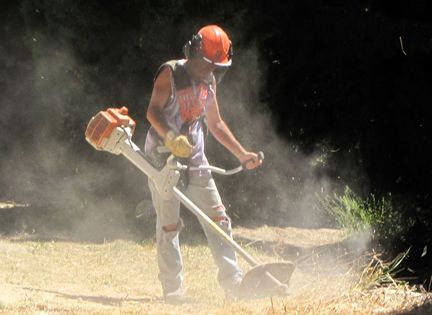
[102,131]
[112,131]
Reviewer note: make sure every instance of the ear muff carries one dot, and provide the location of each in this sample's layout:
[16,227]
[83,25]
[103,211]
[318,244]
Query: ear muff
[193,47]
[230,51]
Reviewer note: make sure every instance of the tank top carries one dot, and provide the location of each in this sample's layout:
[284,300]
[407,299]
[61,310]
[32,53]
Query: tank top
[185,113]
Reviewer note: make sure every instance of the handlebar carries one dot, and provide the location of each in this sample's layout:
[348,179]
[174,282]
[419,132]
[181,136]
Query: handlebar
[177,165]
[218,170]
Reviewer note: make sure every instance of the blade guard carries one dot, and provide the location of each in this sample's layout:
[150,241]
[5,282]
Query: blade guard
[257,284]
[102,125]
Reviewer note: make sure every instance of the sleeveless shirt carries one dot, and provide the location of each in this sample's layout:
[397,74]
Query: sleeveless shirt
[184,112]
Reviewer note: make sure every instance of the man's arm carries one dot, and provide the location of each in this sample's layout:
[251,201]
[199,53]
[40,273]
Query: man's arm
[160,95]
[177,144]
[223,134]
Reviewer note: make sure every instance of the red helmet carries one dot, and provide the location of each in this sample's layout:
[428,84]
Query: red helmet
[212,44]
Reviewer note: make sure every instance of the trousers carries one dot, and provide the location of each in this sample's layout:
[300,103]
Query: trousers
[202,191]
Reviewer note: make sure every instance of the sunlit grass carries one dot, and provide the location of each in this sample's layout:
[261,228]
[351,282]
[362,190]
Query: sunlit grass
[120,277]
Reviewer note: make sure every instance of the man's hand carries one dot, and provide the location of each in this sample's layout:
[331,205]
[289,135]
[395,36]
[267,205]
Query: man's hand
[178,144]
[250,160]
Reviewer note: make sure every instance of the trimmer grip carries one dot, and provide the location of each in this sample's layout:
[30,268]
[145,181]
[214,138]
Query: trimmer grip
[260,157]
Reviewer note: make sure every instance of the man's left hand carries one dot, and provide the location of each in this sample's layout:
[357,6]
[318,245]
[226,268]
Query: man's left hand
[250,160]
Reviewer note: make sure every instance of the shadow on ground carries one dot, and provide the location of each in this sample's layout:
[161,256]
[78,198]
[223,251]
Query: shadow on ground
[100,299]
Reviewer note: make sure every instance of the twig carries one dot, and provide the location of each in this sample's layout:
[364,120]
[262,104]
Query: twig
[401,44]
[430,282]
[13,204]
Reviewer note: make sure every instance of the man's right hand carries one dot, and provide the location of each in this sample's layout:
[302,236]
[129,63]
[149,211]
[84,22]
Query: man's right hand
[178,144]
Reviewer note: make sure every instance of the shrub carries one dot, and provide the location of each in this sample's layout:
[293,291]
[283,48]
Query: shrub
[377,215]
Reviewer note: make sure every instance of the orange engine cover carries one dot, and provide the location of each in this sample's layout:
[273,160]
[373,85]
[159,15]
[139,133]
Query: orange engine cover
[103,123]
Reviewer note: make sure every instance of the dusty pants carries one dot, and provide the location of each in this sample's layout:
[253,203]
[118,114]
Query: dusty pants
[203,192]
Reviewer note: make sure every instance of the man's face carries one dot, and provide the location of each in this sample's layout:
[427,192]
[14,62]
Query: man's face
[200,69]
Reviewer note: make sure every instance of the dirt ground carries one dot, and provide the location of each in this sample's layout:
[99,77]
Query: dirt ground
[120,277]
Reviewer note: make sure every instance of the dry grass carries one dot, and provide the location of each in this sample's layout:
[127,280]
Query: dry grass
[289,235]
[120,277]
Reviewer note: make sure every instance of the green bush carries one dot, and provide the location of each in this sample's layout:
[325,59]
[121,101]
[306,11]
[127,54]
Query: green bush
[376,215]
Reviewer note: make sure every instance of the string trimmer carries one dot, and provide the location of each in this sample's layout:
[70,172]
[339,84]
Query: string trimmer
[112,131]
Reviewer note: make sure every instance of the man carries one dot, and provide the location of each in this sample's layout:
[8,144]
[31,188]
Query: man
[184,93]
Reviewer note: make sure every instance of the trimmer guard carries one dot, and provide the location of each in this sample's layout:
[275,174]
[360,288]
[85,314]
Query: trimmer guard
[257,283]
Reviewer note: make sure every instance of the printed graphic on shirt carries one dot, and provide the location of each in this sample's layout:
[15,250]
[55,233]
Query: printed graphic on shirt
[192,105]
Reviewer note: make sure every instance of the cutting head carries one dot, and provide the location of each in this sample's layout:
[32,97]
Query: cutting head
[259,282]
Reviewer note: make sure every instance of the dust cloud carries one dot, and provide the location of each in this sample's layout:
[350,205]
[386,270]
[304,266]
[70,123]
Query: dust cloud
[285,191]
[74,191]
[84,194]
[77,193]
[287,182]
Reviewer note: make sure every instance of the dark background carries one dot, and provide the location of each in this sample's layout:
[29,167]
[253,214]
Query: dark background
[350,82]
